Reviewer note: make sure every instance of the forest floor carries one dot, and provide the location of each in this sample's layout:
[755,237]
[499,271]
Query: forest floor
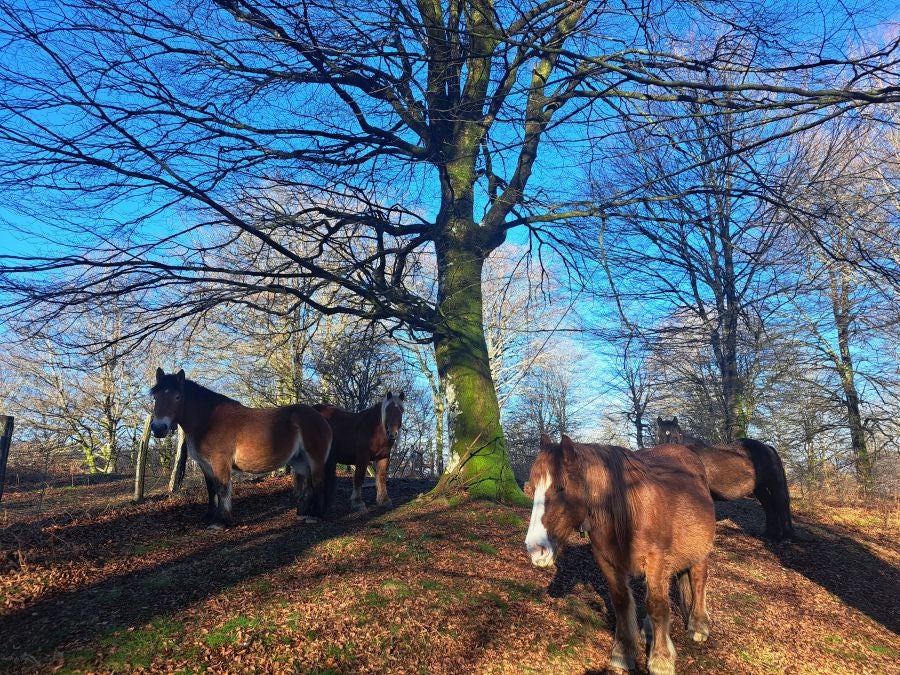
[91,582]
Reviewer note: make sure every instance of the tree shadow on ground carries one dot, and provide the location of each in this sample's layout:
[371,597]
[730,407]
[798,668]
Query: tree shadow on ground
[65,619]
[826,556]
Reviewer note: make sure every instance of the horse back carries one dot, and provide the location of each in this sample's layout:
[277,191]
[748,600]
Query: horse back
[729,469]
[675,504]
[356,437]
[264,439]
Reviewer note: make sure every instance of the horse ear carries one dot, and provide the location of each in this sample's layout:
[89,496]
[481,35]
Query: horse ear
[568,447]
[659,420]
[675,420]
[545,442]
[180,376]
[389,396]
[160,374]
[402,395]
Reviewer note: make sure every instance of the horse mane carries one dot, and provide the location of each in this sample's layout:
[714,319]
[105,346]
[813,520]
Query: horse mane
[608,499]
[193,390]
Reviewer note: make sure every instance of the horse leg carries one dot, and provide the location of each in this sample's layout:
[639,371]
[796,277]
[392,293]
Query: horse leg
[213,498]
[299,477]
[381,470]
[316,501]
[698,622]
[773,525]
[221,480]
[661,660]
[359,475]
[624,647]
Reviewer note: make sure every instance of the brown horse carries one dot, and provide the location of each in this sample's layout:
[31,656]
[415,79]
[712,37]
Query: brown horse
[360,438]
[743,468]
[647,513]
[222,434]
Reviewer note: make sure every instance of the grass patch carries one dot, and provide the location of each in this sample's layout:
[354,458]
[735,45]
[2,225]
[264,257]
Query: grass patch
[342,653]
[745,599]
[761,658]
[430,585]
[558,651]
[508,518]
[374,599]
[337,545]
[397,589]
[125,650]
[486,548]
[497,601]
[584,618]
[886,651]
[229,632]
[149,547]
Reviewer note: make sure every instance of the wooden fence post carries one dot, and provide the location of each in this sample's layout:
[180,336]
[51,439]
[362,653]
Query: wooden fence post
[180,461]
[141,463]
[5,442]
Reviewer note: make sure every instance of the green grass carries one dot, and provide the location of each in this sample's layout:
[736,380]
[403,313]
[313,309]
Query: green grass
[487,548]
[498,601]
[343,653]
[228,633]
[374,599]
[761,658]
[887,651]
[397,589]
[508,518]
[431,585]
[125,650]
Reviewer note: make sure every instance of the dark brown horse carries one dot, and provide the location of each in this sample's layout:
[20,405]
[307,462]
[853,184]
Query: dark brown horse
[364,437]
[222,434]
[647,513]
[743,468]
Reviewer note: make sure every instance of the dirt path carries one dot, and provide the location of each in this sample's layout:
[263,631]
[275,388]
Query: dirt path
[93,583]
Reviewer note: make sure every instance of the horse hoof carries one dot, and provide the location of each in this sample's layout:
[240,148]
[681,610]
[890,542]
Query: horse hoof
[310,520]
[621,662]
[697,636]
[661,666]
[215,526]
[359,508]
[386,504]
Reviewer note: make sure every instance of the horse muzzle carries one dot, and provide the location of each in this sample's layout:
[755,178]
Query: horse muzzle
[160,430]
[542,556]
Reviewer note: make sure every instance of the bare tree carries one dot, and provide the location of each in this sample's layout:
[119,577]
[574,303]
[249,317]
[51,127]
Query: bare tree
[411,129]
[847,205]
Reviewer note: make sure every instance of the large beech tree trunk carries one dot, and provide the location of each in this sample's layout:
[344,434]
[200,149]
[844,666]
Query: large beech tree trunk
[479,461]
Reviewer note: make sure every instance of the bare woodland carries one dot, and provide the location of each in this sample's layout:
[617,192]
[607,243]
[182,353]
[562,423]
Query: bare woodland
[531,217]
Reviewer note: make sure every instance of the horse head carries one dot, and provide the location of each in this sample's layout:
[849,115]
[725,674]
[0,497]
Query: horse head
[392,416]
[558,499]
[168,394]
[669,431]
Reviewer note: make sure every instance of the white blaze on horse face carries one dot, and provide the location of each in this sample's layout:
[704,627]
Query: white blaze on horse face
[537,541]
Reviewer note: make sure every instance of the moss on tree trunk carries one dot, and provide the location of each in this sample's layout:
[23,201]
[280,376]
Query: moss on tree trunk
[479,461]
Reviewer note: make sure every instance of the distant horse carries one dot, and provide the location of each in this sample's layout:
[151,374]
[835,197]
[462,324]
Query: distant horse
[743,468]
[647,513]
[222,434]
[363,437]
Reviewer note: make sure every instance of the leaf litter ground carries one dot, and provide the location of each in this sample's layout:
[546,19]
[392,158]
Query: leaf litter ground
[92,583]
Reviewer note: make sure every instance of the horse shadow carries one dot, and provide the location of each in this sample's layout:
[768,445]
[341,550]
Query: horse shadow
[831,559]
[76,617]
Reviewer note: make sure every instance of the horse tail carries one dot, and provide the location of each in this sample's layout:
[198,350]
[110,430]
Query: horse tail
[685,594]
[782,496]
